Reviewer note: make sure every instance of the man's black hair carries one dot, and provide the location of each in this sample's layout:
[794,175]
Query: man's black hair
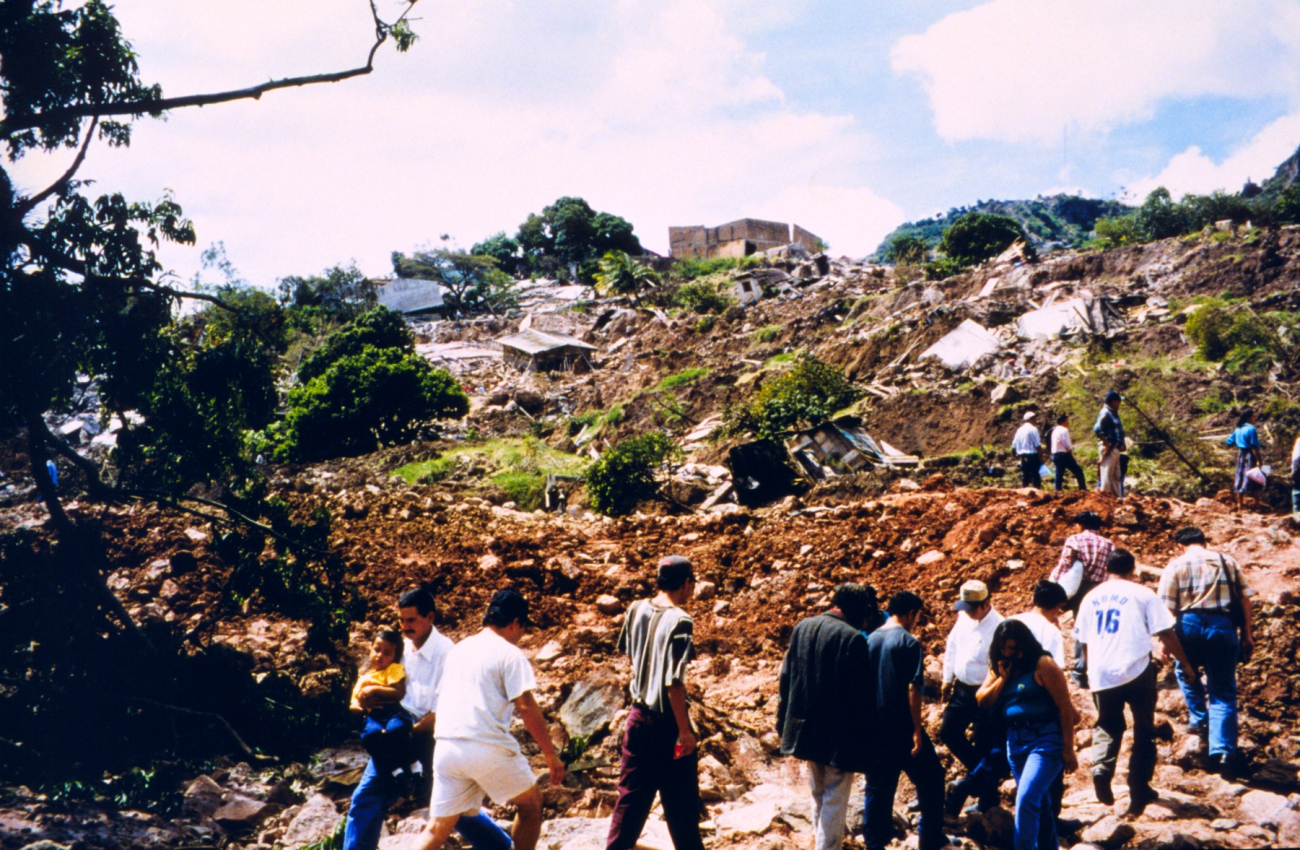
[857,602]
[1048,595]
[1121,562]
[393,637]
[1062,418]
[507,605]
[1189,536]
[904,602]
[419,598]
[1246,416]
[1088,520]
[674,572]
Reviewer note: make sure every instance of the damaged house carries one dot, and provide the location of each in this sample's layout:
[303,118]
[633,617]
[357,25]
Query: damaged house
[532,350]
[843,443]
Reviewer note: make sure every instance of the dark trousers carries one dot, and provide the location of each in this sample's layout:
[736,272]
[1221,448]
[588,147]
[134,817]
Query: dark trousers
[387,737]
[983,753]
[926,772]
[649,768]
[1140,697]
[1065,462]
[1030,471]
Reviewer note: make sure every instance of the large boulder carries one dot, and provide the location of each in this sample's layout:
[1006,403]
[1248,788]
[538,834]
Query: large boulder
[316,820]
[591,706]
[203,797]
[240,813]
[1264,808]
[1109,833]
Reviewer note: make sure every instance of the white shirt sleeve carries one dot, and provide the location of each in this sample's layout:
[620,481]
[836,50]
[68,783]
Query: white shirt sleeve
[1159,617]
[950,653]
[517,676]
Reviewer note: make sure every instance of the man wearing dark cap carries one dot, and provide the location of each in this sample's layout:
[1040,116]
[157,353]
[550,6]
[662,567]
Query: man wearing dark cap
[486,679]
[658,743]
[824,714]
[1110,431]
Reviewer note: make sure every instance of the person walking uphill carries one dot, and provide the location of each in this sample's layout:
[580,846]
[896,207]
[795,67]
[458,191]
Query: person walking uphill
[1116,622]
[965,666]
[1208,595]
[659,753]
[1026,687]
[1028,445]
[1245,439]
[1063,454]
[487,679]
[896,672]
[1110,432]
[823,713]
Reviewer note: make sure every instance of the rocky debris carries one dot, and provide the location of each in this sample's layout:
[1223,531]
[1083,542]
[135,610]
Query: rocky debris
[238,813]
[1109,833]
[1264,808]
[607,604]
[203,797]
[316,820]
[591,706]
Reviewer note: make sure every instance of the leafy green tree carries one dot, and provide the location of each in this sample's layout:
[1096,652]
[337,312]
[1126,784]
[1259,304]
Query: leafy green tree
[376,397]
[807,393]
[506,251]
[471,283]
[318,302]
[1204,210]
[378,328]
[1115,232]
[976,237]
[624,475]
[1286,209]
[570,233]
[621,275]
[81,293]
[907,248]
[1159,217]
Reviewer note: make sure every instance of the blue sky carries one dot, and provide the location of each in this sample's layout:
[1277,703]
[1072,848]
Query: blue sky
[845,117]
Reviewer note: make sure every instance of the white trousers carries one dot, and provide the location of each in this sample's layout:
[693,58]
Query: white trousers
[830,796]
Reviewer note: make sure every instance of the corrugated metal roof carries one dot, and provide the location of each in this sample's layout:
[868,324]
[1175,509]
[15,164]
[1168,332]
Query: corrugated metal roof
[535,342]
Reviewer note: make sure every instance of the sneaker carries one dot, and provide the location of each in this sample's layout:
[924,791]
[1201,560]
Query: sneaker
[1231,766]
[1101,786]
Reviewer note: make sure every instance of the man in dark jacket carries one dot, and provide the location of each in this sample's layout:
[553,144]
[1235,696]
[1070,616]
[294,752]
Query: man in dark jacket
[822,713]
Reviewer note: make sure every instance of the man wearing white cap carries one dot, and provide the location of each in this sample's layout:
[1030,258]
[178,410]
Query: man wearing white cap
[965,666]
[1028,446]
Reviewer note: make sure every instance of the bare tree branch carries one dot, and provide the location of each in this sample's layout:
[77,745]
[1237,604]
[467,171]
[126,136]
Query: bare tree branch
[24,207]
[157,107]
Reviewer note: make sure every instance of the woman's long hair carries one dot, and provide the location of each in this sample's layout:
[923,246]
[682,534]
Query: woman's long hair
[1031,649]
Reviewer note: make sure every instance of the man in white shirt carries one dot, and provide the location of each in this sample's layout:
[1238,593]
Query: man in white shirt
[965,666]
[423,656]
[1116,623]
[1028,445]
[487,678]
[1044,619]
[1062,448]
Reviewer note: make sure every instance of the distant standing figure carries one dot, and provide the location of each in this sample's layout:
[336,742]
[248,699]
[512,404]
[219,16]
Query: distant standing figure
[659,755]
[1246,441]
[1028,445]
[1063,454]
[1110,432]
[823,714]
[896,671]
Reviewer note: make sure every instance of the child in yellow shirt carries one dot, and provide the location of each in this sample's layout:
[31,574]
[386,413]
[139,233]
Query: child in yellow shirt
[387,732]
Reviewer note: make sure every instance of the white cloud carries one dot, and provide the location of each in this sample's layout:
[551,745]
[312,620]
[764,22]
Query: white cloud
[844,218]
[656,111]
[1025,70]
[1193,172]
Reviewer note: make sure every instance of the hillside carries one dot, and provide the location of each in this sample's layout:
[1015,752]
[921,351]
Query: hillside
[1063,219]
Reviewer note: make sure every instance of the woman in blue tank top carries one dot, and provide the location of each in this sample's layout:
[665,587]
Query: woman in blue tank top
[1030,691]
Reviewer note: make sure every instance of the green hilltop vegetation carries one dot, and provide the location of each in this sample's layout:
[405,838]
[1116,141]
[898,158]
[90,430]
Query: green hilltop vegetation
[1067,219]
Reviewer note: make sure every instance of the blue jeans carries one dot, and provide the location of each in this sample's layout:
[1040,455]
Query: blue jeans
[388,740]
[926,773]
[1036,761]
[1210,641]
[1295,500]
[377,791]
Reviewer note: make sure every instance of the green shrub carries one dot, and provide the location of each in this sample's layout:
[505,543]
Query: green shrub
[766,334]
[624,475]
[1207,328]
[705,324]
[943,267]
[701,298]
[976,237]
[693,267]
[808,393]
[1243,341]
[686,377]
[375,397]
[526,489]
[907,248]
[377,328]
[1114,232]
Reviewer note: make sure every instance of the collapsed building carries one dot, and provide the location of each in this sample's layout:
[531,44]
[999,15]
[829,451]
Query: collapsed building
[409,295]
[532,350]
[739,238]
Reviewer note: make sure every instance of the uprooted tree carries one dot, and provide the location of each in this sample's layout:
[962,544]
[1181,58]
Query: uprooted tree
[81,294]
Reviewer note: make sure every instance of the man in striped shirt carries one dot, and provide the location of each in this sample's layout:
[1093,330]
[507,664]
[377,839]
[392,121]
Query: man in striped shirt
[1199,587]
[1094,551]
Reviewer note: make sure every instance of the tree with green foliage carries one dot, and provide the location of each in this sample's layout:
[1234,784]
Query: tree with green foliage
[621,275]
[318,301]
[1117,232]
[907,248]
[505,250]
[569,233]
[806,394]
[1159,217]
[378,328]
[624,475]
[1286,209]
[362,401]
[1242,340]
[82,293]
[471,283]
[976,237]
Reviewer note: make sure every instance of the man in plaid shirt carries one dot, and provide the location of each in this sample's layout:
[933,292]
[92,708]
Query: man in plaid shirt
[1094,550]
[1199,587]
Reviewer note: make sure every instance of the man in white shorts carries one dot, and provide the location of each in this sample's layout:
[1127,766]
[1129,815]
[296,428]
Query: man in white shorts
[486,678]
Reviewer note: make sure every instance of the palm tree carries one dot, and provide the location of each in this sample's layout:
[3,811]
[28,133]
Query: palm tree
[621,275]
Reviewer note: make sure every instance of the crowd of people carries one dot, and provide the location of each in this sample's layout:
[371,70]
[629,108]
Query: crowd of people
[851,695]
[852,689]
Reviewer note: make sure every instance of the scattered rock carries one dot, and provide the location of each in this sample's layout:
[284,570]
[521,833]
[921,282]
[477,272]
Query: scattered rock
[722,607]
[591,706]
[1264,808]
[999,827]
[316,820]
[241,813]
[1109,833]
[203,797]
[550,651]
[931,557]
[705,590]
[609,605]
